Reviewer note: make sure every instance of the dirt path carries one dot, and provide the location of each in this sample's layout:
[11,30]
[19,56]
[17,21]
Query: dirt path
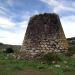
[28,72]
[34,72]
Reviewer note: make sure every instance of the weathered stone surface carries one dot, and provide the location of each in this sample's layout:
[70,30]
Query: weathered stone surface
[44,34]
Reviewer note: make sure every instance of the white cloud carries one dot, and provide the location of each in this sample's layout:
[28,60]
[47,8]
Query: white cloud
[51,2]
[6,23]
[16,37]
[18,29]
[23,24]
[59,6]
[8,37]
[68,24]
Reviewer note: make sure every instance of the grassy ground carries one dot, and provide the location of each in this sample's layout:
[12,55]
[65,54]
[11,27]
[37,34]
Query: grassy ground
[11,66]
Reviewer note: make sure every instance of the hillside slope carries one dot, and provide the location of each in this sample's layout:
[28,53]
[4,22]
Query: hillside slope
[4,46]
[71,41]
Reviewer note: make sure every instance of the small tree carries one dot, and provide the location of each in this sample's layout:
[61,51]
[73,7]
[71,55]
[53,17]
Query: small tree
[9,50]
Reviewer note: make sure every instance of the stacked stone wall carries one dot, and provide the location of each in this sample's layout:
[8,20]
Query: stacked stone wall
[44,34]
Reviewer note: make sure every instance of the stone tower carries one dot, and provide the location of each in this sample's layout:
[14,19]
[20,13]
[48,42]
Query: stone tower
[44,34]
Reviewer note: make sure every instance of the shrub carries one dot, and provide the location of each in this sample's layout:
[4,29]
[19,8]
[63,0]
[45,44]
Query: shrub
[50,57]
[71,51]
[9,50]
[41,67]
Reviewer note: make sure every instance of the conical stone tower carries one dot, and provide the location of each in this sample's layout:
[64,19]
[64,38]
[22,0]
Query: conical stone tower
[44,34]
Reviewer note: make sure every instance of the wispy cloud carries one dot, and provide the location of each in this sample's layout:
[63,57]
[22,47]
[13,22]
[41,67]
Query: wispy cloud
[5,23]
[12,32]
[60,5]
[66,7]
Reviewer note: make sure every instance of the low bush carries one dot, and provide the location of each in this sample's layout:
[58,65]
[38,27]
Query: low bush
[9,50]
[50,57]
[71,51]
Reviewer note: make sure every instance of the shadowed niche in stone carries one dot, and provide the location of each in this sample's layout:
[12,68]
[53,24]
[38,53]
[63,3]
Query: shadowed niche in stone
[44,34]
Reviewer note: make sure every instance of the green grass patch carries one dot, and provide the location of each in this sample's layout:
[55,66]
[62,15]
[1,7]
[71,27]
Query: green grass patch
[12,66]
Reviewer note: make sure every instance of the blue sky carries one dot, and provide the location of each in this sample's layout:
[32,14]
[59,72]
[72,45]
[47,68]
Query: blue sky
[15,14]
